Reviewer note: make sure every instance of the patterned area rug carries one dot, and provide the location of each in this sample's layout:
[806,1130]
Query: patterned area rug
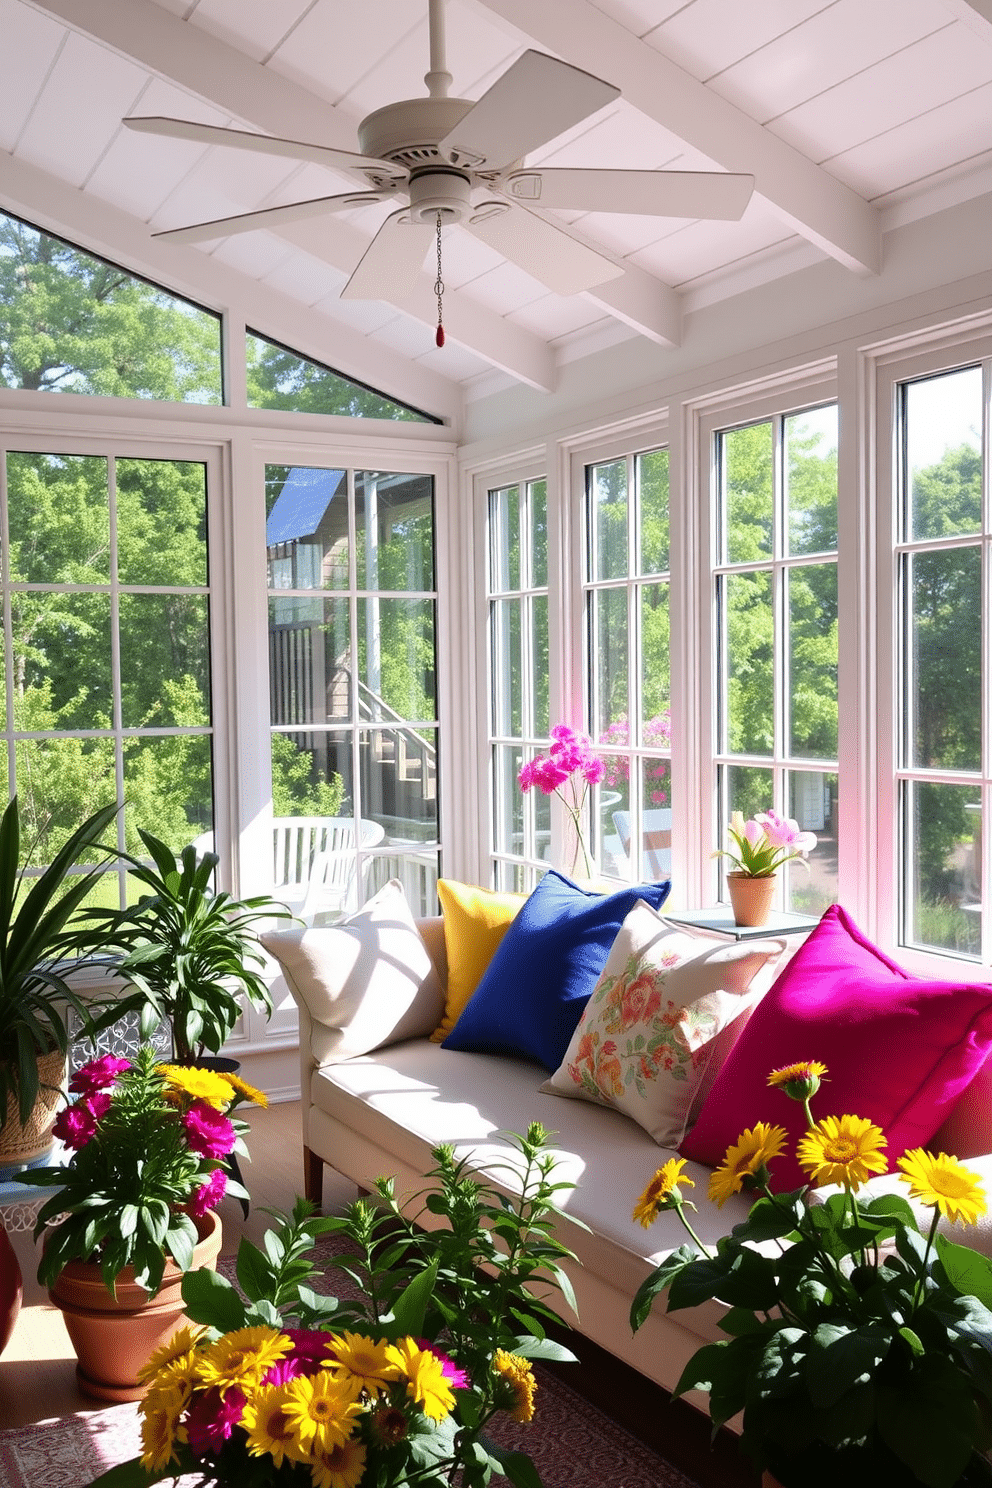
[573,1444]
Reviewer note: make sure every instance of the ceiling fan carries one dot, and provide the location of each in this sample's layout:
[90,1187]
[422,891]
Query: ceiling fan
[450,161]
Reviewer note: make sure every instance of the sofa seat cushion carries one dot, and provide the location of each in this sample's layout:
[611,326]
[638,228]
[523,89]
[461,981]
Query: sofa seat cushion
[415,1095]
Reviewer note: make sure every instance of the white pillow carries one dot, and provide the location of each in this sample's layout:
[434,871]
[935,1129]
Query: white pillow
[667,1009]
[367,982]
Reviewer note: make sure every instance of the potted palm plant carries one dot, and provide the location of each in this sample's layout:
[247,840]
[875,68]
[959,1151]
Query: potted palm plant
[39,931]
[186,950]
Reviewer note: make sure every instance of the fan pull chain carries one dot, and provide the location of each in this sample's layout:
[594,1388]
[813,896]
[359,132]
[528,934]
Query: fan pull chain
[439,289]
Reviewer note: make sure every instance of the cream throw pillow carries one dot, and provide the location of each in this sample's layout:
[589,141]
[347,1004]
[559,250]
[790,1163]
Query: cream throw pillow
[367,982]
[663,1016]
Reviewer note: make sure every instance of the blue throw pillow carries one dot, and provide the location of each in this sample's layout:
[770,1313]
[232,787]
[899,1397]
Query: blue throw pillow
[531,996]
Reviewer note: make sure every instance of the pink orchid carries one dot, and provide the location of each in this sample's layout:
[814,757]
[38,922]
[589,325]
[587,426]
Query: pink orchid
[784,831]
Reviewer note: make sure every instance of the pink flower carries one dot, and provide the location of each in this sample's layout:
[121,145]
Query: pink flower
[209,1195]
[784,831]
[456,1377]
[74,1126]
[212,1418]
[98,1074]
[208,1132]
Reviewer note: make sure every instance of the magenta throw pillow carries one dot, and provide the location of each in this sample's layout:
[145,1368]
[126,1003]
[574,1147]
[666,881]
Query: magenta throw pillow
[899,1049]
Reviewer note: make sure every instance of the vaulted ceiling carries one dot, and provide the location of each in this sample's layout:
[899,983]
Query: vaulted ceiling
[852,116]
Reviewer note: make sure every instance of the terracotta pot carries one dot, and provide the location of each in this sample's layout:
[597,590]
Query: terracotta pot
[11,1288]
[22,1146]
[751,898]
[114,1337]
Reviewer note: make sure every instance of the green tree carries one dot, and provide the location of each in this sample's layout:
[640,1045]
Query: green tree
[280,378]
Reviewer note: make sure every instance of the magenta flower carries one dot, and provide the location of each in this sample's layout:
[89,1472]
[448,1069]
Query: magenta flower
[209,1195]
[74,1126]
[98,1074]
[571,754]
[311,1348]
[453,1373]
[212,1418]
[208,1131]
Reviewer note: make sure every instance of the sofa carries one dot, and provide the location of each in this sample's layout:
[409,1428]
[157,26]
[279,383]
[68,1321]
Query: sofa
[381,1087]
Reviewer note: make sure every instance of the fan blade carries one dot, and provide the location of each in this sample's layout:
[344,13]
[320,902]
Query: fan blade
[650,193]
[221,227]
[534,101]
[390,266]
[265,144]
[543,249]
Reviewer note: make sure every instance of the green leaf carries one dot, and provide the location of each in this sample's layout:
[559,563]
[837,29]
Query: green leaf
[211,1299]
[411,1305]
[660,1278]
[968,1271]
[543,1348]
[256,1276]
[840,1357]
[929,1420]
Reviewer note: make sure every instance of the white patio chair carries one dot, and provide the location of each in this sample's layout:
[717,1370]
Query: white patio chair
[315,864]
[656,832]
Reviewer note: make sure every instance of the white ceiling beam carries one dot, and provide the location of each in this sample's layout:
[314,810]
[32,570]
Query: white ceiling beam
[975,14]
[192,59]
[95,225]
[644,303]
[811,201]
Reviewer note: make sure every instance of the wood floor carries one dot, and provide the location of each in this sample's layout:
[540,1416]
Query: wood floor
[37,1370]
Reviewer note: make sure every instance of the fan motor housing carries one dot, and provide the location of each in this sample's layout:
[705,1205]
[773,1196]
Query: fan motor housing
[408,133]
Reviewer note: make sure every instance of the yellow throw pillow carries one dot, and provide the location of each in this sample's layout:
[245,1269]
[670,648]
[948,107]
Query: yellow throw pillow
[475,921]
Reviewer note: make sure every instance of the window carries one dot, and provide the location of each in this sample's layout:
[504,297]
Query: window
[775,596]
[943,554]
[281,378]
[628,619]
[73,323]
[106,644]
[352,677]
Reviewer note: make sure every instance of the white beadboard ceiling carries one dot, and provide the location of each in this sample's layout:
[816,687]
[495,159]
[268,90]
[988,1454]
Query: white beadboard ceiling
[851,115]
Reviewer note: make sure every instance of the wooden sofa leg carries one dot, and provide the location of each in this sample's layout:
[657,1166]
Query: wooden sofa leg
[313,1177]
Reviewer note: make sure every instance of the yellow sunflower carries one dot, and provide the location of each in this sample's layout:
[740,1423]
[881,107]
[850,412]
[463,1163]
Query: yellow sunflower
[320,1412]
[269,1427]
[340,1466]
[181,1344]
[246,1091]
[364,1364]
[424,1373]
[745,1160]
[942,1183]
[843,1149]
[242,1357]
[517,1383]
[799,1081]
[198,1084]
[161,1410]
[662,1192]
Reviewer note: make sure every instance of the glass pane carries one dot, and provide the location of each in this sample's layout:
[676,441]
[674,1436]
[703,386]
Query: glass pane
[63,662]
[608,519]
[399,781]
[943,453]
[165,660]
[539,533]
[652,479]
[280,378]
[750,676]
[507,667]
[306,529]
[161,522]
[504,528]
[168,789]
[610,630]
[396,658]
[309,660]
[811,480]
[748,493]
[59,783]
[945,897]
[311,774]
[656,820]
[945,690]
[541,665]
[813,804]
[655,651]
[812,612]
[394,519]
[58,519]
[508,824]
[417,870]
[92,310]
[745,788]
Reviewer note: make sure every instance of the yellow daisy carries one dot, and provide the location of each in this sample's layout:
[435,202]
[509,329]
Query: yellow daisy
[320,1411]
[161,1410]
[425,1379]
[941,1182]
[198,1084]
[242,1357]
[843,1149]
[518,1385]
[745,1160]
[662,1192]
[339,1466]
[182,1342]
[269,1427]
[246,1091]
[364,1364]
[799,1081]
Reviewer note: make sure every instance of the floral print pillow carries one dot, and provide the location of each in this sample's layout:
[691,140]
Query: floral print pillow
[663,1016]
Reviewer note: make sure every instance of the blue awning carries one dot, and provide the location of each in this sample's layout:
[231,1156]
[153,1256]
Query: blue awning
[300,506]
